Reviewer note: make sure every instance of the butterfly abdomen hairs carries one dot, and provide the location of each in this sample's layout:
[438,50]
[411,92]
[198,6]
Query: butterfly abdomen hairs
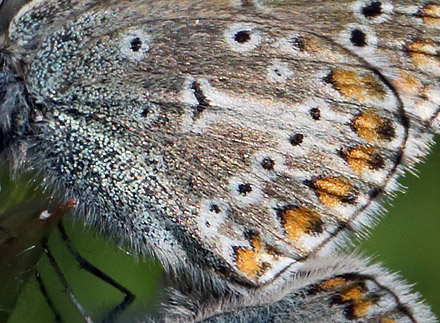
[15,105]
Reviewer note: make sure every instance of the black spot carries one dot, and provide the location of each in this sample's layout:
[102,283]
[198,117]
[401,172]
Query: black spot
[329,78]
[67,37]
[207,224]
[315,113]
[135,44]
[343,225]
[387,130]
[203,102]
[242,36]
[150,162]
[310,183]
[372,10]
[74,111]
[251,234]
[375,192]
[265,266]
[358,38]
[316,227]
[349,198]
[247,3]
[343,153]
[215,208]
[376,162]
[374,298]
[296,139]
[277,72]
[268,163]
[190,181]
[244,189]
[298,43]
[350,313]
[145,112]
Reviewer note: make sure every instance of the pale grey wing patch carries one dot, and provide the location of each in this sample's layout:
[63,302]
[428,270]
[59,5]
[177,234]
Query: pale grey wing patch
[337,289]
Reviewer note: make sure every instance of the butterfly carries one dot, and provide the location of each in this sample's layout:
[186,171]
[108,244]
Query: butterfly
[239,143]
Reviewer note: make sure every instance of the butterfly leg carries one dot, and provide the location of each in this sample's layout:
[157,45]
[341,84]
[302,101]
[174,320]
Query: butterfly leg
[86,265]
[43,289]
[63,280]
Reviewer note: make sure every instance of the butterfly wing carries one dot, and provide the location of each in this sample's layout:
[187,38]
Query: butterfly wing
[242,138]
[337,289]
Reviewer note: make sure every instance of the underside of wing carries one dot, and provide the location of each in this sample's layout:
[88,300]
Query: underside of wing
[245,139]
[336,289]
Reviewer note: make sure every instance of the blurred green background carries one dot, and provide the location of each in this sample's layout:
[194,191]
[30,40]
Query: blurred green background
[407,240]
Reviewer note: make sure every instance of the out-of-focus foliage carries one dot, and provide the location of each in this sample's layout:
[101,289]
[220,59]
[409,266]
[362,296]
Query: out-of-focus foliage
[21,231]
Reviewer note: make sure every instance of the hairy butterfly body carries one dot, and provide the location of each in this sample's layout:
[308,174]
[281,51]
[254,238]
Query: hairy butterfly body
[237,142]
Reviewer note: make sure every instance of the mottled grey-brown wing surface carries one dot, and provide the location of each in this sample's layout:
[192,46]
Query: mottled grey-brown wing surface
[243,137]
